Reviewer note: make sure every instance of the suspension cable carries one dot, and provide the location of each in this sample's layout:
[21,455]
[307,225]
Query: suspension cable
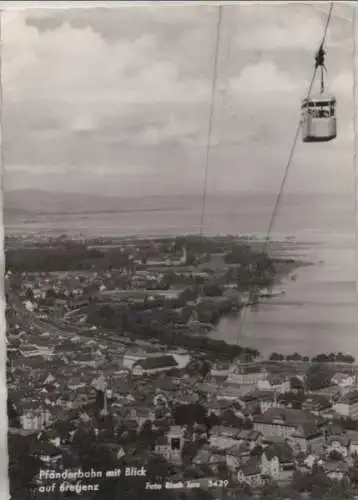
[288,165]
[211,117]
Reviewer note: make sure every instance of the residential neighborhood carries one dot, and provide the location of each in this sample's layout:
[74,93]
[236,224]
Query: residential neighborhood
[87,396]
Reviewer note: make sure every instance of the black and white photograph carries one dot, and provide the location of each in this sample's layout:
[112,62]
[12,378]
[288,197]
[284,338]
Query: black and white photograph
[180,251]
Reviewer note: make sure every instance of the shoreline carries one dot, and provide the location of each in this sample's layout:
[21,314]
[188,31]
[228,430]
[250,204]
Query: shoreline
[185,339]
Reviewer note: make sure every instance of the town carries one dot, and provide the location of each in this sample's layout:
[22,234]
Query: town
[115,388]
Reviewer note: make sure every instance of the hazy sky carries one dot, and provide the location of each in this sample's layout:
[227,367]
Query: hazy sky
[116,100]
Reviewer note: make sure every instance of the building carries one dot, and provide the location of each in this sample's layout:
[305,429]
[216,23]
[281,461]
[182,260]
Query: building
[171,445]
[347,405]
[222,437]
[276,383]
[250,473]
[35,419]
[339,444]
[220,370]
[247,374]
[284,422]
[270,465]
[33,351]
[316,404]
[344,380]
[307,438]
[336,470]
[128,360]
[261,399]
[154,365]
[345,444]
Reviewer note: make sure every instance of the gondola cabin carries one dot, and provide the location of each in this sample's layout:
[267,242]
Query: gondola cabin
[319,122]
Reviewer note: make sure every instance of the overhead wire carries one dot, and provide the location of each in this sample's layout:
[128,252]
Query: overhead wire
[211,119]
[295,139]
[288,165]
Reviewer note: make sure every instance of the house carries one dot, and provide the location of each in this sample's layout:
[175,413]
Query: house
[250,473]
[219,406]
[283,421]
[307,438]
[34,351]
[253,438]
[222,437]
[77,400]
[263,399]
[208,457]
[236,455]
[346,444]
[353,442]
[344,380]
[339,444]
[170,446]
[277,461]
[336,469]
[232,392]
[35,419]
[347,405]
[247,374]
[220,369]
[141,415]
[270,465]
[48,453]
[275,382]
[76,383]
[332,393]
[316,404]
[154,365]
[216,407]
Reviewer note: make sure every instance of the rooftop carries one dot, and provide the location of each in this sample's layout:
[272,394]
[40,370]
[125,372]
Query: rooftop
[153,363]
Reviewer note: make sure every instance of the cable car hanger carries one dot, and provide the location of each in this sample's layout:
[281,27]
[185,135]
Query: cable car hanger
[318,114]
[311,128]
[319,63]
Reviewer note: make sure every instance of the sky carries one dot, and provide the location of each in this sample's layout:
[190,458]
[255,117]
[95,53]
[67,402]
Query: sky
[117,100]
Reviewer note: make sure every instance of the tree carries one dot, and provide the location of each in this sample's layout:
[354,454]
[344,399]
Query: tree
[275,356]
[321,358]
[319,482]
[296,384]
[294,357]
[318,377]
[212,291]
[335,455]
[214,420]
[146,435]
[270,491]
[344,358]
[188,414]
[299,481]
[256,451]
[353,473]
[23,466]
[29,294]
[200,367]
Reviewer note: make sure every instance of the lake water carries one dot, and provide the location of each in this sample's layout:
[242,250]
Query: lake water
[319,310]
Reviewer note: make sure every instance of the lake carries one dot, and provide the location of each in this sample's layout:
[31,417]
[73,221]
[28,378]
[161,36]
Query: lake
[319,310]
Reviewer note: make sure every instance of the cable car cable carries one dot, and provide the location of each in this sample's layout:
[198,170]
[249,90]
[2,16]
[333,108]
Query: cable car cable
[289,162]
[211,116]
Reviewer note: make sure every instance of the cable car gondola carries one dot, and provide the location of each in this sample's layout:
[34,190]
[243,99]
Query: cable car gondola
[319,122]
[318,113]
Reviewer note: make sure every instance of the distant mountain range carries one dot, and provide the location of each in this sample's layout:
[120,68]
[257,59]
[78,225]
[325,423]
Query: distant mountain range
[32,201]
[46,202]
